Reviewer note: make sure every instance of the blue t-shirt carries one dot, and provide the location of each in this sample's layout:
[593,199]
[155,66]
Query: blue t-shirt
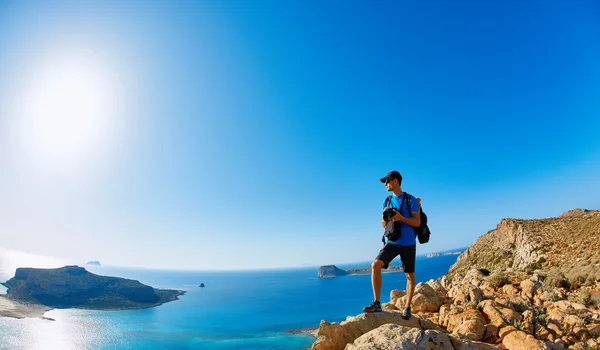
[407,236]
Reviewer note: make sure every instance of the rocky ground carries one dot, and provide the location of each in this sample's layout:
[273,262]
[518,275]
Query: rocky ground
[521,286]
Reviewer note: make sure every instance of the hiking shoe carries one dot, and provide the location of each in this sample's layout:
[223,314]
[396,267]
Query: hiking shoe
[406,313]
[374,307]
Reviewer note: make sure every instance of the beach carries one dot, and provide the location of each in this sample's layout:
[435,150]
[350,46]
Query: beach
[15,309]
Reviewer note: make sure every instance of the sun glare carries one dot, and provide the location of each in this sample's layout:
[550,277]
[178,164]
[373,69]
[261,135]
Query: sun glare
[66,112]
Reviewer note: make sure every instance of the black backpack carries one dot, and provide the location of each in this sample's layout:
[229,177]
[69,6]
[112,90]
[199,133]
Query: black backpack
[422,232]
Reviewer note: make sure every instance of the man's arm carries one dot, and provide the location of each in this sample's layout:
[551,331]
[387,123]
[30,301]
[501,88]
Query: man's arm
[415,221]
[415,210]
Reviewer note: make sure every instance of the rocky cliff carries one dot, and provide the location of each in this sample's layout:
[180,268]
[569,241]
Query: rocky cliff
[73,286]
[569,244]
[528,284]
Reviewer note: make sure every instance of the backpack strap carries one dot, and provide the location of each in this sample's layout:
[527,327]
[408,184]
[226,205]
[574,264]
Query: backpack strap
[407,200]
[388,200]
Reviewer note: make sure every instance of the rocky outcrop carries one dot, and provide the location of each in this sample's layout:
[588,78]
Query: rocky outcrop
[330,271]
[569,243]
[74,286]
[486,302]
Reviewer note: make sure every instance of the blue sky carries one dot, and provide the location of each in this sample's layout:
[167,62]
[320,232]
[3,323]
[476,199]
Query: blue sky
[239,134]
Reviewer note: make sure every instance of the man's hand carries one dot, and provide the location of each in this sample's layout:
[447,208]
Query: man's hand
[398,216]
[383,223]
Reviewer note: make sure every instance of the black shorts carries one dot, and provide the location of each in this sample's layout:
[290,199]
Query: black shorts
[407,255]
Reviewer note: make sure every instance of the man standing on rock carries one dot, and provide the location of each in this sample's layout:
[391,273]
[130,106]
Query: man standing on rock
[405,245]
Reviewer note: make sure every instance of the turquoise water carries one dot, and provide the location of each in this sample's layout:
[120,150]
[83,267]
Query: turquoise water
[236,310]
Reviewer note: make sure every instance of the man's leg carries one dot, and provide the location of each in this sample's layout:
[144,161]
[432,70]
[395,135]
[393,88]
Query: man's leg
[386,254]
[410,288]
[408,257]
[376,278]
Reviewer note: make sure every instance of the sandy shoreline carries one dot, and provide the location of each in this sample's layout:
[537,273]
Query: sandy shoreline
[15,309]
[309,331]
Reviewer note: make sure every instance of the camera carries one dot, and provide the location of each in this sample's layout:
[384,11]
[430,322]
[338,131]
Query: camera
[388,213]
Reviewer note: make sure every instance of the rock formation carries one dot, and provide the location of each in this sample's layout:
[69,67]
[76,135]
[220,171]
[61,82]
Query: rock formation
[529,284]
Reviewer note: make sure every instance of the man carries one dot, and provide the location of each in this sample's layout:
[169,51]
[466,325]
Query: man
[405,245]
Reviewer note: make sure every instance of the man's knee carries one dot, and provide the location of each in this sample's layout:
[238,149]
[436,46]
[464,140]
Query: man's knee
[377,265]
[410,277]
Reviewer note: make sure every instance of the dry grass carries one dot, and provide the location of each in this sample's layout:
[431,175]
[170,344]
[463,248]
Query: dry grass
[498,279]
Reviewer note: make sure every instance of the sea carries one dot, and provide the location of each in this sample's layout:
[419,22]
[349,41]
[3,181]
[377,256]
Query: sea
[260,309]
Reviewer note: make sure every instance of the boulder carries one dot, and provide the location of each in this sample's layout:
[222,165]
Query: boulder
[498,314]
[468,322]
[528,323]
[529,288]
[424,299]
[519,340]
[393,336]
[509,289]
[333,336]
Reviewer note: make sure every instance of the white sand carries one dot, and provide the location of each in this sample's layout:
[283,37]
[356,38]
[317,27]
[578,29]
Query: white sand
[11,308]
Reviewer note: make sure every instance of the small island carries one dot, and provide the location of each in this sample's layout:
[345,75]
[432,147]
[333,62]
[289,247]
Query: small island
[94,263]
[330,271]
[75,287]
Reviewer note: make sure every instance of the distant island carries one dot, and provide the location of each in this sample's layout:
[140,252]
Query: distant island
[433,255]
[75,287]
[331,271]
[94,263]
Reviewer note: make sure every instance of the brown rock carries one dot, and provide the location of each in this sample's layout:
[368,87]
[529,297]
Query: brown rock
[469,323]
[565,305]
[499,313]
[395,295]
[445,282]
[509,289]
[519,340]
[491,334]
[473,277]
[594,330]
[542,332]
[579,346]
[392,336]
[444,312]
[572,321]
[593,343]
[503,332]
[463,343]
[581,332]
[438,287]
[529,288]
[425,299]
[465,293]
[528,323]
[556,318]
[333,336]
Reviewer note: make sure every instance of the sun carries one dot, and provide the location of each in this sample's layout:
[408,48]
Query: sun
[66,110]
